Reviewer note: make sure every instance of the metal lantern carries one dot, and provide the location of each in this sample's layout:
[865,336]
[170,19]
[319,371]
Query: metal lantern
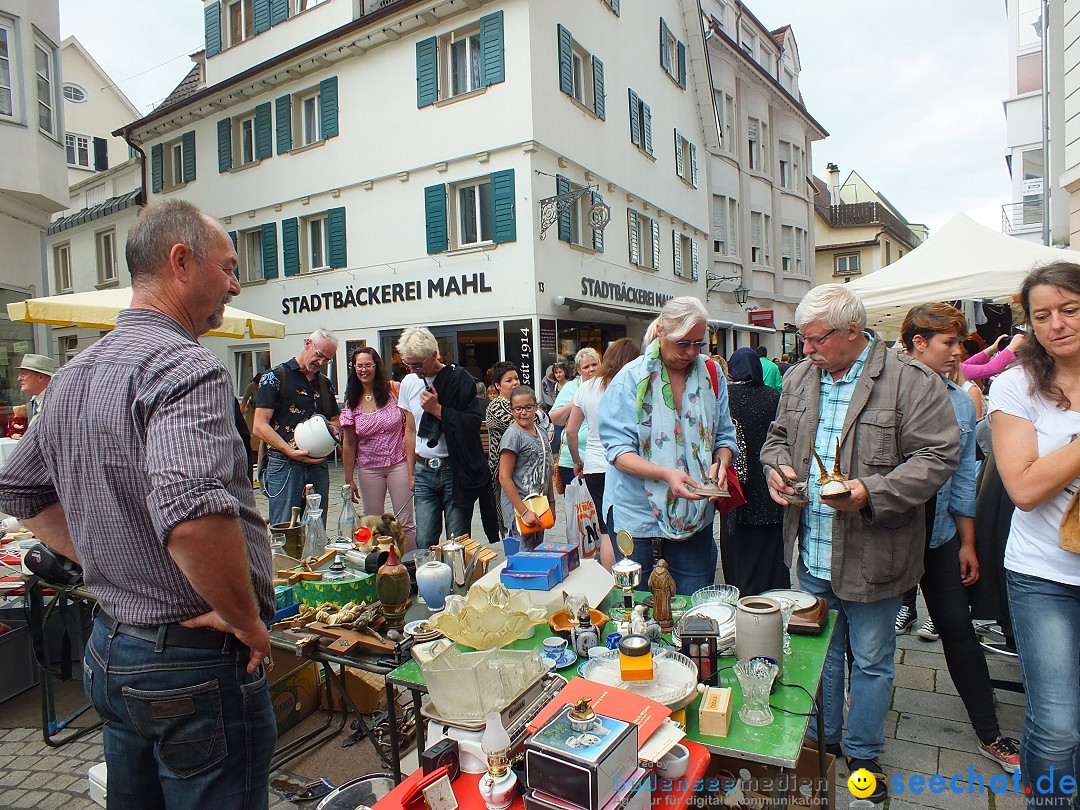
[699,640]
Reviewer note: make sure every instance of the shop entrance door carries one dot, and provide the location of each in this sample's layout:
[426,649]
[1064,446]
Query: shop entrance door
[475,347]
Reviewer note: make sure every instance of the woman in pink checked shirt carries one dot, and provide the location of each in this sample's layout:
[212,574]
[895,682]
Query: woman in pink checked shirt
[373,441]
[984,365]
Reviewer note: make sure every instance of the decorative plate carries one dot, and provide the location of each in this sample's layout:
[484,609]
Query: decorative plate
[802,599]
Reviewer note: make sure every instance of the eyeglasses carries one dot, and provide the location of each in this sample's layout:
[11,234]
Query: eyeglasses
[683,345]
[364,366]
[415,366]
[523,408]
[326,358]
[814,341]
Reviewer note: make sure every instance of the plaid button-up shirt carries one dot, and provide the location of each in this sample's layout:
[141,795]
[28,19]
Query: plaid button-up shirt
[815,534]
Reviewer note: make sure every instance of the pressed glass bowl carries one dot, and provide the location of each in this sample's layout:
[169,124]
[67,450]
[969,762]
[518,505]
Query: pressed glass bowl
[728,594]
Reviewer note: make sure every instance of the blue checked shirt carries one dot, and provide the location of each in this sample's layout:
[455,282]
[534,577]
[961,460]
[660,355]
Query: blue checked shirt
[815,533]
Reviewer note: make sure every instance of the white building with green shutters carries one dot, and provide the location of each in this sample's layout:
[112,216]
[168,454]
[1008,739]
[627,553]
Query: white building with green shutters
[383,164]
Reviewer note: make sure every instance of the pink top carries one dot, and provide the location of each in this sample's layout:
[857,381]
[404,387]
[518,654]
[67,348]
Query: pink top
[380,436]
[981,367]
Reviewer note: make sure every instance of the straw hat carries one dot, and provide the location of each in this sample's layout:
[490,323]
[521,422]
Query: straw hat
[39,363]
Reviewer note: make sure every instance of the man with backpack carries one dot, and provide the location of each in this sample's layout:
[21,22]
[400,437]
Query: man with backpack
[289,394]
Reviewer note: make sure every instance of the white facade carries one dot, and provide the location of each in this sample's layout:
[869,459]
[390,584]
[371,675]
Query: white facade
[1024,122]
[93,107]
[409,212]
[33,181]
[761,198]
[1069,179]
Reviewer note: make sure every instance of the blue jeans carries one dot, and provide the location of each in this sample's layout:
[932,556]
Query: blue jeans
[1046,620]
[434,504]
[284,483]
[869,626]
[692,562]
[183,727]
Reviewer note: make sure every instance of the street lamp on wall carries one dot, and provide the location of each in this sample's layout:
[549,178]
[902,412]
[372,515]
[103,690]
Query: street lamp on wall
[741,294]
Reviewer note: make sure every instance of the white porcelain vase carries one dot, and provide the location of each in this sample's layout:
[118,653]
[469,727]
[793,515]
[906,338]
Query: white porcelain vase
[434,580]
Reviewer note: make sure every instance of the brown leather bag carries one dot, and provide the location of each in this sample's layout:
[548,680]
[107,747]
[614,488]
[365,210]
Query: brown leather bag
[1069,534]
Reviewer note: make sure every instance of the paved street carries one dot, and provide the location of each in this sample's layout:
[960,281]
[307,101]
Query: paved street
[927,733]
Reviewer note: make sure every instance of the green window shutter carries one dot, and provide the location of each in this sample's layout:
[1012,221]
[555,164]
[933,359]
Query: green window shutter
[213,29]
[503,220]
[676,252]
[188,141]
[597,233]
[679,166]
[682,66]
[693,260]
[232,235]
[615,7]
[427,72]
[224,144]
[435,218]
[598,88]
[101,154]
[283,113]
[566,233]
[269,249]
[337,253]
[566,66]
[646,120]
[156,165]
[279,11]
[693,165]
[261,16]
[290,245]
[655,245]
[633,231]
[264,141]
[328,107]
[635,119]
[492,68]
[665,54]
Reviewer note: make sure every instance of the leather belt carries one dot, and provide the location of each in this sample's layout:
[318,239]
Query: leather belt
[173,635]
[432,463]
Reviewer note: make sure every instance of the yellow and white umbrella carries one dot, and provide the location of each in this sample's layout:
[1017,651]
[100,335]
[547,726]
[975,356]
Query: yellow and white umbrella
[98,310]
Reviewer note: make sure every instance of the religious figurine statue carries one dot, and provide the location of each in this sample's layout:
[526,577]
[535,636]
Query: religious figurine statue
[663,588]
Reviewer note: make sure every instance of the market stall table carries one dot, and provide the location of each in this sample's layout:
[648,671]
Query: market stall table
[7,447]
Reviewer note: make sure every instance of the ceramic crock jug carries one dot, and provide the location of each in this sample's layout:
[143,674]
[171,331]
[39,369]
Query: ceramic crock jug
[759,630]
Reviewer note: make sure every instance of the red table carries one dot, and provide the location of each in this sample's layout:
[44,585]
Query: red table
[468,796]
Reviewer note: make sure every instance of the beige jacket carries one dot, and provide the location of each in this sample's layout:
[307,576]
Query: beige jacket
[900,438]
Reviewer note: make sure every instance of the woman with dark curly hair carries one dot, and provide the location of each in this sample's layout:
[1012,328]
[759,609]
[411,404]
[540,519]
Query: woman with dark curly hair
[373,441]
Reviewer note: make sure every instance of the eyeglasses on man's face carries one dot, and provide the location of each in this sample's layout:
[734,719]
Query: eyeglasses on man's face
[814,341]
[414,366]
[323,358]
[524,408]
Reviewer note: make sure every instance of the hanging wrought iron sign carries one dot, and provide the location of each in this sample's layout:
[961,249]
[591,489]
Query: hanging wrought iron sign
[551,208]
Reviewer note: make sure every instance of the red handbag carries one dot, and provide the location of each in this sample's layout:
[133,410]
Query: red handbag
[735,498]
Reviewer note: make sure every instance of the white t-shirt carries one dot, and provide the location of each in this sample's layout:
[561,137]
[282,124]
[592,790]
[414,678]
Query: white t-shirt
[409,400]
[588,398]
[1032,548]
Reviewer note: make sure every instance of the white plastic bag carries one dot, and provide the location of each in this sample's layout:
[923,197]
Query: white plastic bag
[582,522]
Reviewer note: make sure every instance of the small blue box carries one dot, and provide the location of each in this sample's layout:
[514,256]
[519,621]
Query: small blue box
[531,573]
[284,596]
[573,555]
[561,559]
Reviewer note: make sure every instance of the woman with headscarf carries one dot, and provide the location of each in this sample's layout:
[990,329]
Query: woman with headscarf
[665,428]
[751,539]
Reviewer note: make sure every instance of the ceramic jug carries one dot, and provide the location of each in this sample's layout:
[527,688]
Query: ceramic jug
[434,580]
[759,630]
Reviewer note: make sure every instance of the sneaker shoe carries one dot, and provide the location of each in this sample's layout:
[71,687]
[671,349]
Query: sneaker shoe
[905,619]
[881,789]
[1005,751]
[927,632]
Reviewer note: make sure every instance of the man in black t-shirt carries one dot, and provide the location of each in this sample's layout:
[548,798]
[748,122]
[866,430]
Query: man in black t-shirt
[288,395]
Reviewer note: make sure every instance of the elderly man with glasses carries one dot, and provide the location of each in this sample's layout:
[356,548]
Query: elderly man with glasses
[890,419]
[289,394]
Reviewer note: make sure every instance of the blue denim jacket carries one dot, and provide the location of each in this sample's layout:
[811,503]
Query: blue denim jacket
[957,495]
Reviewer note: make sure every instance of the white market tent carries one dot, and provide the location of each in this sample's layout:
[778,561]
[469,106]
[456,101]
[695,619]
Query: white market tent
[962,261]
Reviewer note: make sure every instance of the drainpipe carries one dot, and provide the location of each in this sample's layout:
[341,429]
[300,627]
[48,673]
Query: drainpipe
[142,163]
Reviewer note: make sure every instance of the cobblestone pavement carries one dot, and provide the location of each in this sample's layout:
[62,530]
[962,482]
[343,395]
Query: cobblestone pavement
[927,732]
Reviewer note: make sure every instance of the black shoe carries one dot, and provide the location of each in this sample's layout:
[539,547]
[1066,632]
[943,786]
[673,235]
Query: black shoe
[881,790]
[830,748]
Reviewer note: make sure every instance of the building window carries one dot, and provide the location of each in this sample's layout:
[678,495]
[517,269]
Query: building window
[759,238]
[791,161]
[247,363]
[725,226]
[316,238]
[685,159]
[672,55]
[69,347]
[472,213]
[461,61]
[250,250]
[581,75]
[240,21]
[727,123]
[684,256]
[72,92]
[1029,73]
[757,141]
[644,237]
[95,195]
[310,125]
[847,264]
[7,80]
[304,5]
[640,123]
[461,68]
[247,140]
[613,5]
[78,150]
[62,266]
[176,162]
[44,60]
[1031,178]
[477,211]
[792,250]
[748,42]
[106,256]
[172,164]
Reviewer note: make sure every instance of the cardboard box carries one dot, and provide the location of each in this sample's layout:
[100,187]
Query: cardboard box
[358,589]
[366,689]
[803,784]
[573,555]
[295,693]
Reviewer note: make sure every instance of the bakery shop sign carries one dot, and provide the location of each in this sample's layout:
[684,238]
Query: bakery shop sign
[378,294]
[622,293]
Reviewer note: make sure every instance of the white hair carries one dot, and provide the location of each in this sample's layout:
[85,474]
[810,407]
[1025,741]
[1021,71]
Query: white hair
[323,334]
[588,351]
[416,341]
[834,305]
[678,317]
